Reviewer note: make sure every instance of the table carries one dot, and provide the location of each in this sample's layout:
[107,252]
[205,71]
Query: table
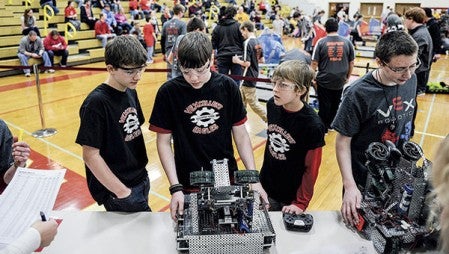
[109,232]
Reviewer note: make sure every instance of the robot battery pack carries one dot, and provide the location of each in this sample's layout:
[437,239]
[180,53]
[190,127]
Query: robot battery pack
[301,222]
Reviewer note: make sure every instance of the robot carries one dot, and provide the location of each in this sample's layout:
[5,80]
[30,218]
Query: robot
[397,199]
[221,218]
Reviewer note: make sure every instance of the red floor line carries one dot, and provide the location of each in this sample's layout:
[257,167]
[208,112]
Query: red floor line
[43,81]
[48,102]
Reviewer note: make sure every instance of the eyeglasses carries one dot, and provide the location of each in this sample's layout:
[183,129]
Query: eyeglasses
[133,71]
[198,72]
[282,86]
[403,70]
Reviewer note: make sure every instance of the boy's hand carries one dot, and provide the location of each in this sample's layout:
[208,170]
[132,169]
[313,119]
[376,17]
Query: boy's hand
[293,209]
[263,194]
[177,205]
[236,59]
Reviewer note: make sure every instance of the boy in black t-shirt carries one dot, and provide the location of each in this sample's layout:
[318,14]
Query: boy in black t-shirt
[295,140]
[201,111]
[113,147]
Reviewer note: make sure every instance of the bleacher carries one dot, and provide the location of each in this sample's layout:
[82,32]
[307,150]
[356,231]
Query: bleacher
[82,45]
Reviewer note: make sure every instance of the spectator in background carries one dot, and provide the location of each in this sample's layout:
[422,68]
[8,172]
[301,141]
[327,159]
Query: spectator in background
[356,32]
[414,22]
[28,22]
[138,33]
[166,15]
[241,15]
[71,15]
[170,31]
[333,57]
[149,36]
[145,6]
[122,21]
[134,10]
[110,19]
[252,55]
[87,15]
[55,45]
[103,31]
[194,8]
[434,30]
[227,40]
[278,25]
[194,24]
[31,46]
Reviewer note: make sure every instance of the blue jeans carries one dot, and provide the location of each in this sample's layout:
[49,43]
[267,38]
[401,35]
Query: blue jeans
[50,3]
[137,201]
[24,60]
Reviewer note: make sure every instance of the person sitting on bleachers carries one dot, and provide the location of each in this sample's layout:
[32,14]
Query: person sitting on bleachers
[103,31]
[87,15]
[51,4]
[71,15]
[134,10]
[28,22]
[55,44]
[145,6]
[110,19]
[122,21]
[31,46]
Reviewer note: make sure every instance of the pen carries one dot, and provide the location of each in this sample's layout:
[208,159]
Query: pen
[43,216]
[20,135]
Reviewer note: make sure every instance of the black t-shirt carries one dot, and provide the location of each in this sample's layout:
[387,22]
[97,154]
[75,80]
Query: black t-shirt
[251,56]
[333,54]
[366,113]
[110,121]
[200,121]
[290,136]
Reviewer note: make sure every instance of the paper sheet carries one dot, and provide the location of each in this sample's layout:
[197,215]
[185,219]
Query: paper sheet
[29,192]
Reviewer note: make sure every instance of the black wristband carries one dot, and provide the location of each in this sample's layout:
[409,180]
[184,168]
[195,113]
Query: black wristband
[175,188]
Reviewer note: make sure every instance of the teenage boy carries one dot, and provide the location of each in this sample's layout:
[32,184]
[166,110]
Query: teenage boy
[201,111]
[250,62]
[295,139]
[375,108]
[110,135]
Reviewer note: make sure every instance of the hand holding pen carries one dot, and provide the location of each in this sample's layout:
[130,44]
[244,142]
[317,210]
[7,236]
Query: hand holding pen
[46,229]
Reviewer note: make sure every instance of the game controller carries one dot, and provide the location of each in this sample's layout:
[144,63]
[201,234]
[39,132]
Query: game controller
[298,222]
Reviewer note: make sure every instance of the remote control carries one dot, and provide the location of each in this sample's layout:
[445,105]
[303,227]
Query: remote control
[301,222]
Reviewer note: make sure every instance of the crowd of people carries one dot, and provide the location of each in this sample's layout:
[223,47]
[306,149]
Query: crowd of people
[199,113]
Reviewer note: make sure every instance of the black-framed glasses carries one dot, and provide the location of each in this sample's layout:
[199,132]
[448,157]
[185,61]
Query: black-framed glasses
[133,71]
[403,70]
[198,72]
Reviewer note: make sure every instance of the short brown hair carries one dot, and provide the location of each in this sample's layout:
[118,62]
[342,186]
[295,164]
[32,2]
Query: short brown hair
[416,14]
[297,72]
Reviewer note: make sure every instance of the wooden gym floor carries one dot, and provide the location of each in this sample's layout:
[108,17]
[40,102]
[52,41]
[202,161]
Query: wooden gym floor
[64,91]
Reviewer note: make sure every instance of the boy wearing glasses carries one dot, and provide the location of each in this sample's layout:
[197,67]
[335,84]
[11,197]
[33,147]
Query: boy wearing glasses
[202,111]
[375,108]
[295,139]
[113,146]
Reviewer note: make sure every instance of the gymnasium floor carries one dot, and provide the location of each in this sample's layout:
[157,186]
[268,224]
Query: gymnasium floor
[64,91]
